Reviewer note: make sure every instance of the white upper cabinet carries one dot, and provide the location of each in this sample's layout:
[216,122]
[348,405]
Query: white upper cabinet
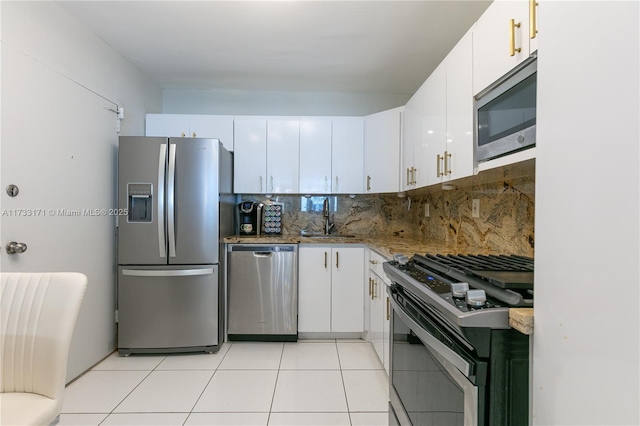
[458,149]
[347,155]
[500,41]
[192,126]
[382,151]
[435,125]
[266,155]
[250,156]
[219,127]
[283,155]
[315,155]
[412,171]
[438,122]
[167,125]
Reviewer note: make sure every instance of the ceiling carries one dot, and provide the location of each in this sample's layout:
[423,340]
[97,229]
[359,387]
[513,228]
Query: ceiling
[291,46]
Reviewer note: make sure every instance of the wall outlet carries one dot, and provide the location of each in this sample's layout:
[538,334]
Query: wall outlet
[426,210]
[475,207]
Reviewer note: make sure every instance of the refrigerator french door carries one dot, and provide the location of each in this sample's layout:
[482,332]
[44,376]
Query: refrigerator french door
[168,244]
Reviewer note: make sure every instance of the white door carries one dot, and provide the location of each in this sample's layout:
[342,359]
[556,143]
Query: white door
[435,124]
[250,156]
[212,126]
[315,155]
[347,284]
[492,38]
[314,289]
[459,108]
[347,155]
[283,151]
[59,145]
[382,151]
[167,125]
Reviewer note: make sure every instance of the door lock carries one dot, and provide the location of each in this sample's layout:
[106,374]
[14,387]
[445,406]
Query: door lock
[16,248]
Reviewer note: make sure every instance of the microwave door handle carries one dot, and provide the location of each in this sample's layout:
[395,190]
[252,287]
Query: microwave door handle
[171,207]
[162,163]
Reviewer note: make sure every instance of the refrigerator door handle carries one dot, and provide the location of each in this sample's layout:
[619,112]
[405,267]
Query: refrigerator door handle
[171,185]
[162,242]
[165,273]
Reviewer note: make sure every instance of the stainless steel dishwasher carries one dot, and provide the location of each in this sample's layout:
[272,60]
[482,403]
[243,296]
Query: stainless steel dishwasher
[263,292]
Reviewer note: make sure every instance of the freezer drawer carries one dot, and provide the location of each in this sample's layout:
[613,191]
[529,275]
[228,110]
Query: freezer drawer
[168,309]
[263,292]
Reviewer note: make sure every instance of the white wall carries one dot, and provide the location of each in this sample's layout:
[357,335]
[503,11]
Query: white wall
[586,360]
[239,102]
[59,145]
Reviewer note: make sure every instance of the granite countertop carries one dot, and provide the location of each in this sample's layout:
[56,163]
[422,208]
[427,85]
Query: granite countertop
[386,245]
[520,319]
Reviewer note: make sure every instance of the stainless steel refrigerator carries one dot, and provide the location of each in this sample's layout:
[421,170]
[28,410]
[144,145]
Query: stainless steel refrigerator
[177,193]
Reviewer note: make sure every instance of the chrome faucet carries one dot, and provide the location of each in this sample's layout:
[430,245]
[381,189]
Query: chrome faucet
[325,214]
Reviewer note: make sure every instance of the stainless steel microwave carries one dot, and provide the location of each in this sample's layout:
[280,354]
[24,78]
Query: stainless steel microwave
[505,114]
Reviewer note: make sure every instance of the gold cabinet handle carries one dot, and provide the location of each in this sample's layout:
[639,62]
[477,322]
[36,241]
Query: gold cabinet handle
[408,176]
[336,189]
[373,262]
[182,134]
[325,260]
[438,172]
[533,29]
[512,41]
[413,176]
[326,184]
[370,286]
[260,183]
[388,309]
[271,183]
[368,183]
[447,163]
[375,289]
[193,135]
[337,259]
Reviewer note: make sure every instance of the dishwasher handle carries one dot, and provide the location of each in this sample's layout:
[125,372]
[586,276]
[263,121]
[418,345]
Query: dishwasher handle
[261,254]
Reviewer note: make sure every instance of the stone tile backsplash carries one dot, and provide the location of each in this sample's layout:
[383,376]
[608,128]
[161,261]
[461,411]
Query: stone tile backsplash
[505,223]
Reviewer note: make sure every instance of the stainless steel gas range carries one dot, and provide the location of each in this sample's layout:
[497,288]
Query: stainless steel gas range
[454,358]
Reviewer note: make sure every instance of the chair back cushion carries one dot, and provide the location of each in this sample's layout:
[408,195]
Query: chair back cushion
[38,312]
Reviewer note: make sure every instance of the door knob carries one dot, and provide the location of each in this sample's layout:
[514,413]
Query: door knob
[16,248]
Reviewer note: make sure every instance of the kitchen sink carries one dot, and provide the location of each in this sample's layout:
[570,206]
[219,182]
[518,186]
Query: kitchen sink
[310,234]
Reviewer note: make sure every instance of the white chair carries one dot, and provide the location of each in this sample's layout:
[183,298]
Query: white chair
[38,312]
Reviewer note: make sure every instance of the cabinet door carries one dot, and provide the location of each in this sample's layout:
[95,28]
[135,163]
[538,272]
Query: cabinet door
[435,124]
[167,125]
[283,150]
[386,326]
[347,296]
[314,289]
[492,39]
[411,149]
[459,107]
[315,155]
[213,126]
[382,151]
[377,319]
[250,156]
[347,155]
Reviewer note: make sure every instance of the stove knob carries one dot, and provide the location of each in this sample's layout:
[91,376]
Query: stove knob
[476,298]
[401,259]
[459,290]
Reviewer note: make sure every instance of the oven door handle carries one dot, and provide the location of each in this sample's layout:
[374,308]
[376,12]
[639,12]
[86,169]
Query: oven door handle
[432,342]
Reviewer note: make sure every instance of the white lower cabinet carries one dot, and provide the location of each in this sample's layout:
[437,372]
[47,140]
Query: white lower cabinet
[379,309]
[330,289]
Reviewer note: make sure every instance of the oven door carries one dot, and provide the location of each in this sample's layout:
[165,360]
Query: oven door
[432,380]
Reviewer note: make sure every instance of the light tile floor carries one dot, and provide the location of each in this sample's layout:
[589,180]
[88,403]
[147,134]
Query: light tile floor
[324,383]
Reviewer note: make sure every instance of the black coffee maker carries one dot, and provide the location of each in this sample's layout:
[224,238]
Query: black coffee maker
[249,215]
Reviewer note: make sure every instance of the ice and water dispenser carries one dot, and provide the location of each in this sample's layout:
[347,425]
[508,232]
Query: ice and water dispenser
[140,202]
